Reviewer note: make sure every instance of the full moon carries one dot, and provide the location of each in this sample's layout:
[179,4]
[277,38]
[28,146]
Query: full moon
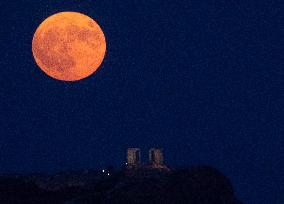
[69,46]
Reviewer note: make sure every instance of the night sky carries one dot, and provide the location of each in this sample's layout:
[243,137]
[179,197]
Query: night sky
[200,79]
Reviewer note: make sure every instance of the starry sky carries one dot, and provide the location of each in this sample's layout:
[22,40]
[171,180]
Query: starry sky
[200,79]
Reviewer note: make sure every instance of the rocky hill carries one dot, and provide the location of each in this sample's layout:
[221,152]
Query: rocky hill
[196,185]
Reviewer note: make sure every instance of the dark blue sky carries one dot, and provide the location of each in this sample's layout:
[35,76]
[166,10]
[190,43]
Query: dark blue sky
[200,79]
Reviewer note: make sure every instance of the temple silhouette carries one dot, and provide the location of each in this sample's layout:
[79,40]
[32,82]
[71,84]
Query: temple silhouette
[156,160]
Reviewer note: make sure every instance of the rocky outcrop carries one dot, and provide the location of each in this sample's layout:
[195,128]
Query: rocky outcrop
[197,185]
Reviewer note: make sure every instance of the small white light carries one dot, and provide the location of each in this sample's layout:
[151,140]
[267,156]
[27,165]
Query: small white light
[126,163]
[108,174]
[103,171]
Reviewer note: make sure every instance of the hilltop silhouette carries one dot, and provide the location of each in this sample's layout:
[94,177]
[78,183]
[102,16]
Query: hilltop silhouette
[196,185]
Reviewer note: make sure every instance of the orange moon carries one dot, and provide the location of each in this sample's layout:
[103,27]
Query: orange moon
[69,46]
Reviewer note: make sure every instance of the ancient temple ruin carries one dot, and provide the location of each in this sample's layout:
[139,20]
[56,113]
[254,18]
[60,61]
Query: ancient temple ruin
[156,156]
[133,156]
[156,159]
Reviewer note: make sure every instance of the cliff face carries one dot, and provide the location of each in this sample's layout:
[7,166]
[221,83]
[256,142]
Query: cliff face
[199,185]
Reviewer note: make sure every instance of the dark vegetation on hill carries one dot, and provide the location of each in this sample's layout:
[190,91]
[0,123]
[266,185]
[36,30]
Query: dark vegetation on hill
[197,185]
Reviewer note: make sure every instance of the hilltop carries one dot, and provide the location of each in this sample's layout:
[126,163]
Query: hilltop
[195,185]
